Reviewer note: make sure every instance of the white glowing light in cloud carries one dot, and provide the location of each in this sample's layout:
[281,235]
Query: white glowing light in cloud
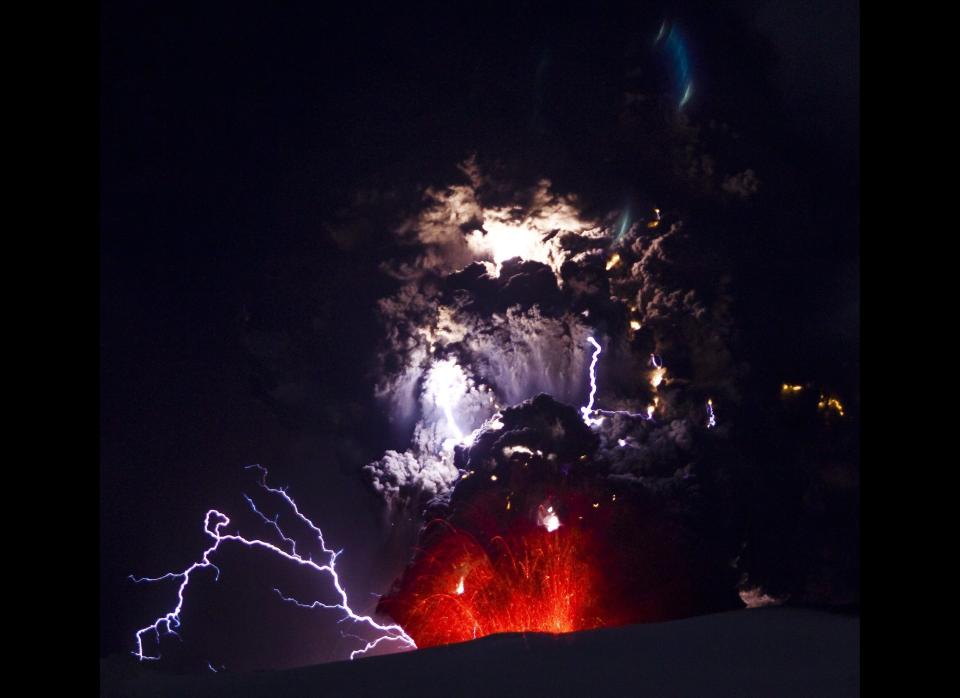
[501,241]
[447,386]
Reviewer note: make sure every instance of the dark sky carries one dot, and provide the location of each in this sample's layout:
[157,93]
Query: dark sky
[233,135]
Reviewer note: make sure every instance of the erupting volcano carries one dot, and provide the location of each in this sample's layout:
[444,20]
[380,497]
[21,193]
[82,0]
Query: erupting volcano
[533,580]
[549,418]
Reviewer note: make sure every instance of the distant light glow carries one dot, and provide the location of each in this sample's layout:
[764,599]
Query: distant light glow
[656,221]
[757,598]
[831,404]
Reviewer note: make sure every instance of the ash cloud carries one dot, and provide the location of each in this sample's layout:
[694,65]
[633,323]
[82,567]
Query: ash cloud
[518,326]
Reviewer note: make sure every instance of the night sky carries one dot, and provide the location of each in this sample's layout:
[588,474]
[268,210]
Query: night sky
[254,159]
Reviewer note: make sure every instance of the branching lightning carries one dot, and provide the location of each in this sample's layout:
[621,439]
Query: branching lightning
[213,525]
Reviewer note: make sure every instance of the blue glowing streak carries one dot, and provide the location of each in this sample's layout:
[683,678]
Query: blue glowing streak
[676,48]
[624,225]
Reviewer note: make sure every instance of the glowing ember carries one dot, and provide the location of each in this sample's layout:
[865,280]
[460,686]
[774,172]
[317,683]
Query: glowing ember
[831,404]
[656,221]
[548,518]
[613,261]
[788,389]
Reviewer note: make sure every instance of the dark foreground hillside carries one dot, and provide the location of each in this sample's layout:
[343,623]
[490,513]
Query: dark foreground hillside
[763,652]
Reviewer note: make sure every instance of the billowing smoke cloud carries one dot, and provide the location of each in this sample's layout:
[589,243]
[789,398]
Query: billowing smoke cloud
[509,294]
[486,363]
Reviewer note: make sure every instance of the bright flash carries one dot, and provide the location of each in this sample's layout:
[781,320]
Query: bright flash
[635,325]
[656,378]
[459,587]
[548,518]
[447,385]
[613,261]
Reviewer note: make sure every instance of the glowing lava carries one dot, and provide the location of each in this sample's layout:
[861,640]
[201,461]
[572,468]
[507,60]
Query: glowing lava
[532,580]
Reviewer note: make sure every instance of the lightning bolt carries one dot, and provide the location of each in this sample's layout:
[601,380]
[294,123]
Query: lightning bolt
[711,417]
[588,408]
[213,523]
[636,415]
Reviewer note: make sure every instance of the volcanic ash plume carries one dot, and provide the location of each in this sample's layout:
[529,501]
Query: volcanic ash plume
[563,380]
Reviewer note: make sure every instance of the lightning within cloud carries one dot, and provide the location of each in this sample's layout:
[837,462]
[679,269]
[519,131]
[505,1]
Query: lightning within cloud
[588,408]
